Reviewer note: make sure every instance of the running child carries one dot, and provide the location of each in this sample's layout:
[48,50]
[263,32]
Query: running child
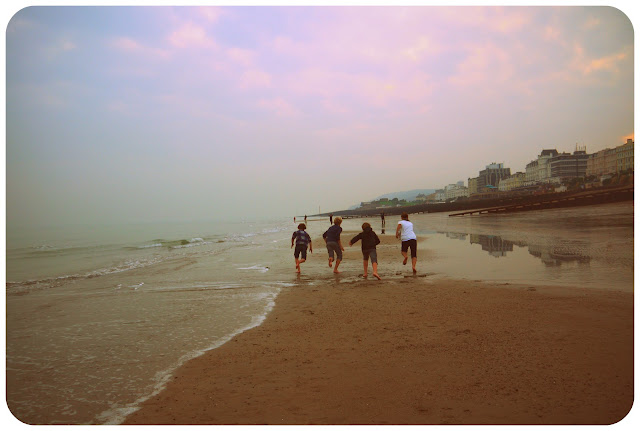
[405,232]
[302,239]
[334,245]
[369,242]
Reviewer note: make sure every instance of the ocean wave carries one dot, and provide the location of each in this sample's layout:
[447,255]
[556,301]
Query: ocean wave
[257,268]
[150,245]
[21,287]
[170,244]
[116,415]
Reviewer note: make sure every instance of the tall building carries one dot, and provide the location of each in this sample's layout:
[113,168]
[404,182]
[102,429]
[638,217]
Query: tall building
[539,170]
[597,163]
[512,182]
[490,177]
[565,166]
[473,186]
[611,161]
[624,156]
[455,191]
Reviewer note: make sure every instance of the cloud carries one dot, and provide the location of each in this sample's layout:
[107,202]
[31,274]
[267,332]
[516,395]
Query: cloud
[254,78]
[128,45]
[211,14]
[241,56]
[279,107]
[60,47]
[610,63]
[485,64]
[422,47]
[190,35]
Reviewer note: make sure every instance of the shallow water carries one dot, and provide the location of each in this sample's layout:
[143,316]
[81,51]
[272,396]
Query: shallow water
[87,343]
[97,321]
[589,246]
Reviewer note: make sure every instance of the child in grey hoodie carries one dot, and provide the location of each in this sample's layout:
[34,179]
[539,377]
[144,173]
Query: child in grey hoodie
[369,242]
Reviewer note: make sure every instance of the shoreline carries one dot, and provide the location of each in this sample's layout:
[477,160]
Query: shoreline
[410,350]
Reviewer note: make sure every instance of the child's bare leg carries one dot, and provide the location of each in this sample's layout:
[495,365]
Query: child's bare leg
[365,264]
[375,270]
[404,253]
[335,271]
[414,260]
[297,265]
[330,262]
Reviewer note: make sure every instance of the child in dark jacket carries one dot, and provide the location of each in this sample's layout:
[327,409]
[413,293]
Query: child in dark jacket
[302,239]
[369,242]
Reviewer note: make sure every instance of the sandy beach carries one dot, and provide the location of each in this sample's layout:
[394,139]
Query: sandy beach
[412,350]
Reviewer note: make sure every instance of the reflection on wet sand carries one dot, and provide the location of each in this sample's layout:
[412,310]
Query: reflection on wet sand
[551,255]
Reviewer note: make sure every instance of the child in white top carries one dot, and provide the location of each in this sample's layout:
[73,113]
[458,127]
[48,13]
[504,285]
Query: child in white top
[405,232]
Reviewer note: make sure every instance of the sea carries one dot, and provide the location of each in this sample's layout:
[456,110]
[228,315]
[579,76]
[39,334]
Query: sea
[99,317]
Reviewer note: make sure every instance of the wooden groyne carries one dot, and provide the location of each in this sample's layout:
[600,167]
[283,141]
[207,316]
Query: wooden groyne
[578,199]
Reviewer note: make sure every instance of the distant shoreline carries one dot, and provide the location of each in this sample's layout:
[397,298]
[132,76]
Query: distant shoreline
[616,194]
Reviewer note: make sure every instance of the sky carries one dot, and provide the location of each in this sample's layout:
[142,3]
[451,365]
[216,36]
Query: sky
[159,113]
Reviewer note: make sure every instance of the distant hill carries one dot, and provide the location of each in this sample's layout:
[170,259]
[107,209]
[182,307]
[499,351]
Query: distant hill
[409,195]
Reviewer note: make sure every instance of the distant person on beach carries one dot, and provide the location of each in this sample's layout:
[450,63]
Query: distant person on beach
[302,239]
[369,242]
[305,218]
[404,231]
[382,218]
[334,245]
[330,218]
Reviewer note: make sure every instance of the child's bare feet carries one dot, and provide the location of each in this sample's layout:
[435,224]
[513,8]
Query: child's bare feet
[330,262]
[376,276]
[404,262]
[335,271]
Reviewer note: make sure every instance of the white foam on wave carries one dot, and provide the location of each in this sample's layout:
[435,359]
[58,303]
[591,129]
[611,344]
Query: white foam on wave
[117,415]
[193,243]
[151,245]
[257,268]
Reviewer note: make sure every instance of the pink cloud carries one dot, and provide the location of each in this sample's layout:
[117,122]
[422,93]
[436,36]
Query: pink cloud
[190,35]
[279,107]
[211,14]
[485,64]
[242,56]
[609,63]
[254,78]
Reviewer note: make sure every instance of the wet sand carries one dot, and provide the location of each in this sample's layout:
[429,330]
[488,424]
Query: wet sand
[410,350]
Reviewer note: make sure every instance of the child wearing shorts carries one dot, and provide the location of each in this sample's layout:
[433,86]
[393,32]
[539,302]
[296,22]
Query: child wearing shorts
[369,242]
[302,239]
[334,245]
[405,233]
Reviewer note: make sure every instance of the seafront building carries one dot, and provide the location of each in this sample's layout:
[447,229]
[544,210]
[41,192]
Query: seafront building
[490,177]
[611,161]
[566,166]
[550,167]
[515,181]
[472,186]
[539,170]
[455,191]
[625,156]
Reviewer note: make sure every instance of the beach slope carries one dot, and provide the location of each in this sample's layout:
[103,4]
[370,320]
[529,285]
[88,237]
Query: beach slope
[407,350]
